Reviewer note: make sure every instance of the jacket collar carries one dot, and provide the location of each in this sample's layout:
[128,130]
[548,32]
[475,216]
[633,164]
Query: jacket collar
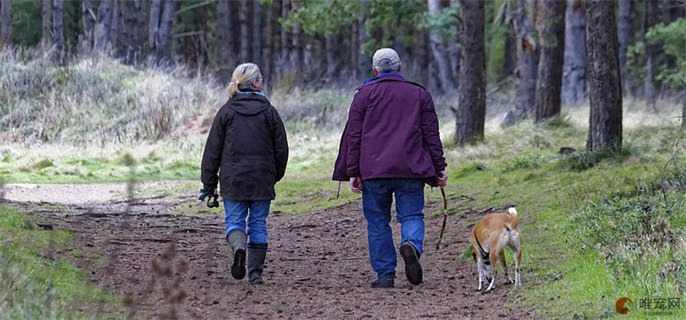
[385,74]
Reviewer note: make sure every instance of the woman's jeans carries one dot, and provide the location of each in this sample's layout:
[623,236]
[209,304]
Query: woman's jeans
[377,196]
[255,211]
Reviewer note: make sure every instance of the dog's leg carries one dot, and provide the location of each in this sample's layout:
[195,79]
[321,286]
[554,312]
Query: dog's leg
[518,259]
[493,258]
[480,268]
[504,264]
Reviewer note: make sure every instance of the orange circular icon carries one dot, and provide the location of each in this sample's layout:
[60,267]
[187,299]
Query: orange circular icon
[620,305]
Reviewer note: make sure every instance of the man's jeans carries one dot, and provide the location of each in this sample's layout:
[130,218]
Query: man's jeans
[377,195]
[237,211]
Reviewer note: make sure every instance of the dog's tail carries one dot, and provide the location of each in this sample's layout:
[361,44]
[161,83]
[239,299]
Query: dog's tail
[515,220]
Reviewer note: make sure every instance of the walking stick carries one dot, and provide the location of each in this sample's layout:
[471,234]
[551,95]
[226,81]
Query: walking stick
[445,218]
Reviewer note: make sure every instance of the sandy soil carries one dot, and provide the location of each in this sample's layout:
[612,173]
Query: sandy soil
[175,266]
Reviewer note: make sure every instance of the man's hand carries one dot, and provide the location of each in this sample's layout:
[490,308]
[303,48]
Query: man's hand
[442,179]
[211,192]
[356,184]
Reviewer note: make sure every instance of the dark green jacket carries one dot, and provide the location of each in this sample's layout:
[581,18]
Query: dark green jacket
[247,145]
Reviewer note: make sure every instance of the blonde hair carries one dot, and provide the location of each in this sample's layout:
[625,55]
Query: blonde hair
[244,75]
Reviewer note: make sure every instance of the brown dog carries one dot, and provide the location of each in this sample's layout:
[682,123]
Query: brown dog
[489,238]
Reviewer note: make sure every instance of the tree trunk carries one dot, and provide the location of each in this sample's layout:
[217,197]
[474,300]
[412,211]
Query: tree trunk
[331,54]
[46,13]
[454,54]
[285,37]
[552,39]
[269,45]
[129,11]
[161,52]
[103,25]
[510,51]
[445,80]
[354,48]
[297,56]
[257,33]
[471,111]
[58,36]
[154,25]
[364,63]
[623,35]
[574,69]
[526,71]
[88,25]
[116,26]
[651,51]
[223,52]
[6,17]
[139,30]
[245,30]
[604,82]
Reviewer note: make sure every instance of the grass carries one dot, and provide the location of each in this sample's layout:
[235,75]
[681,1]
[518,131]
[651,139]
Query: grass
[34,285]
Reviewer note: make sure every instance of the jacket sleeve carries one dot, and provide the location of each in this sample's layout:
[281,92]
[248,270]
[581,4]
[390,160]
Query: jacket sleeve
[212,156]
[430,135]
[353,136]
[280,142]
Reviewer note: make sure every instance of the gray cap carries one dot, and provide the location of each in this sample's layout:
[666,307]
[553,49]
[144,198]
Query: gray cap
[386,58]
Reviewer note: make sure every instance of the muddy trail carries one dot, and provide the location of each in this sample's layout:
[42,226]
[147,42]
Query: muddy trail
[166,265]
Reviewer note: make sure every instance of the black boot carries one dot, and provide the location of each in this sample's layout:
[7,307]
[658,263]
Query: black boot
[256,254]
[413,270]
[237,239]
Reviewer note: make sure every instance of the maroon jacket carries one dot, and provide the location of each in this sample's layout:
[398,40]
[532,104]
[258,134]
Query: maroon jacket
[392,132]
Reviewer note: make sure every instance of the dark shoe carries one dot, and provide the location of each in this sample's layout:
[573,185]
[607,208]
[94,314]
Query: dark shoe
[388,281]
[413,270]
[238,266]
[256,255]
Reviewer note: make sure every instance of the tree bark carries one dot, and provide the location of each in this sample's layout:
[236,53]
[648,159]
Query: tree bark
[364,63]
[446,84]
[58,36]
[510,52]
[526,71]
[46,14]
[605,88]
[574,69]
[6,16]
[161,52]
[139,30]
[269,45]
[257,33]
[88,25]
[103,25]
[331,54]
[354,48]
[651,51]
[552,39]
[154,24]
[471,111]
[285,37]
[623,35]
[116,26]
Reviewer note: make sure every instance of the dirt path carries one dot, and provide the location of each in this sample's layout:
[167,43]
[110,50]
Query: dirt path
[317,266]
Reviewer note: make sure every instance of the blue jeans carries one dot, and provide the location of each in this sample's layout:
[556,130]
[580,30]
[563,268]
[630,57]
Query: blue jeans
[237,211]
[377,195]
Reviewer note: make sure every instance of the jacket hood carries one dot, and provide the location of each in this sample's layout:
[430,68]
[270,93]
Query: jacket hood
[249,104]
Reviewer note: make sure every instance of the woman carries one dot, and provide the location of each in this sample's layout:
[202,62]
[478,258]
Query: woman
[247,145]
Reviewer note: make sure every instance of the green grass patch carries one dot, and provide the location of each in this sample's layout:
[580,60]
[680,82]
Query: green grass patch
[35,286]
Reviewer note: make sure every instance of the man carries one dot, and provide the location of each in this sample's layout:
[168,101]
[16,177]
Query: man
[391,145]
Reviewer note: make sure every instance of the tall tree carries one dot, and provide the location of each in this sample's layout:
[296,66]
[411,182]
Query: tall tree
[297,55]
[154,24]
[527,61]
[58,31]
[652,50]
[623,33]
[286,43]
[574,69]
[257,33]
[245,30]
[605,89]
[103,25]
[270,44]
[46,14]
[223,33]
[551,27]
[471,111]
[6,17]
[445,80]
[116,27]
[88,25]
[161,52]
[355,47]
